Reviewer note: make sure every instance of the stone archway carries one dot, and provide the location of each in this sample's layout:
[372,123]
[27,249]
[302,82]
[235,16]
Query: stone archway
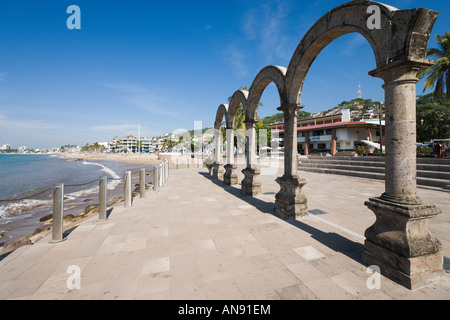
[239,97]
[289,201]
[222,112]
[399,242]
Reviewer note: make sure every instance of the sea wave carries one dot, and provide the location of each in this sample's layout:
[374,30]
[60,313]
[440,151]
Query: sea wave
[112,184]
[15,208]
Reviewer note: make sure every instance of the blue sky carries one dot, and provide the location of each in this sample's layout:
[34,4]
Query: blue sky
[163,64]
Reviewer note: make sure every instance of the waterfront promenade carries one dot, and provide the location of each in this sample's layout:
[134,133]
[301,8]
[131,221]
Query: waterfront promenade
[199,239]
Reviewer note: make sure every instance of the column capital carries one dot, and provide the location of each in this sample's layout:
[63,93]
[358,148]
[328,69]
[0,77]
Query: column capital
[290,107]
[250,122]
[400,72]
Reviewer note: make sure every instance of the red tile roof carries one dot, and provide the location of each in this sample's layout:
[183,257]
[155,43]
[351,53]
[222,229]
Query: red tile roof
[333,125]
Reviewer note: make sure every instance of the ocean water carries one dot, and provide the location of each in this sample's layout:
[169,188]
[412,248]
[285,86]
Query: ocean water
[24,176]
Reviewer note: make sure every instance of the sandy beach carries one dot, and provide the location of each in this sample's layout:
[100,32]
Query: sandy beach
[144,158]
[176,160]
[75,214]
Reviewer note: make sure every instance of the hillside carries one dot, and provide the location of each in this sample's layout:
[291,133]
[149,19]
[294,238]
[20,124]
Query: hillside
[359,109]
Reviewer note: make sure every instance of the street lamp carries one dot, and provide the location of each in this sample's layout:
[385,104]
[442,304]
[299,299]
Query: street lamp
[381,130]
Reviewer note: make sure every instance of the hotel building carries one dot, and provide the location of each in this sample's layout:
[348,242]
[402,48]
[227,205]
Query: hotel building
[331,133]
[130,144]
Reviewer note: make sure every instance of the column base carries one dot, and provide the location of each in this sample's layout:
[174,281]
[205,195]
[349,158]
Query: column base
[218,171]
[290,201]
[230,177]
[249,185]
[401,245]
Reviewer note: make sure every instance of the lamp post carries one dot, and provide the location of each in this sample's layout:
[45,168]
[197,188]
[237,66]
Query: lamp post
[381,130]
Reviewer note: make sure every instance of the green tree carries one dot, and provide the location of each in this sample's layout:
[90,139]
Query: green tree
[303,114]
[139,145]
[438,75]
[433,118]
[168,143]
[239,119]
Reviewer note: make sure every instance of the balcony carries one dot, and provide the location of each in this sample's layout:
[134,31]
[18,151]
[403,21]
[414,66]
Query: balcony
[327,137]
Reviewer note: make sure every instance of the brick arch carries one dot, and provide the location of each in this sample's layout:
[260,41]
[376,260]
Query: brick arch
[403,37]
[266,76]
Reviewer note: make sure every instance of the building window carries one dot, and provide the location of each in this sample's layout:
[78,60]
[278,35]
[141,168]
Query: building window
[318,133]
[329,132]
[321,146]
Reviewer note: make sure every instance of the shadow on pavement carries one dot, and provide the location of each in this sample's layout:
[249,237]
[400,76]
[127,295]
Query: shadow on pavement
[334,241]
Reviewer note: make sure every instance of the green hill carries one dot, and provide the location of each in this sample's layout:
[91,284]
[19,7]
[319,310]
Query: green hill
[354,104]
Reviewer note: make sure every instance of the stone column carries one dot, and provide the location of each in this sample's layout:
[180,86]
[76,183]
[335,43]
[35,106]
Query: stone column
[218,161]
[289,201]
[333,142]
[399,241]
[230,177]
[250,184]
[306,143]
[369,134]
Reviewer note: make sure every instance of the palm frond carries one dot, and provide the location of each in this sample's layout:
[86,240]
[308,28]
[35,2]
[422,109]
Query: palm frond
[438,75]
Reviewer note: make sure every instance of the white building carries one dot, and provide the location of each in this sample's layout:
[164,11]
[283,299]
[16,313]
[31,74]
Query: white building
[130,144]
[333,133]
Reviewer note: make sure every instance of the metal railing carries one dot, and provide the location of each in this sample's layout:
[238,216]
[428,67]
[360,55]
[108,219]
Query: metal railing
[160,177]
[191,162]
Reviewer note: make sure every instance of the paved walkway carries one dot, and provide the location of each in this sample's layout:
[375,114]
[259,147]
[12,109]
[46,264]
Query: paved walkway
[198,239]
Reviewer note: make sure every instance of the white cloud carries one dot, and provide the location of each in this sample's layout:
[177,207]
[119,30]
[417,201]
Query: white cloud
[352,44]
[236,58]
[153,100]
[123,129]
[127,88]
[5,123]
[266,25]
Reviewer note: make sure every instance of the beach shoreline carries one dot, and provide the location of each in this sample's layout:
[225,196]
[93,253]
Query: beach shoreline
[73,217]
[136,158]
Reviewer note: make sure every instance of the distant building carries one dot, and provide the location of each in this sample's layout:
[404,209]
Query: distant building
[130,144]
[5,147]
[332,133]
[75,149]
[22,149]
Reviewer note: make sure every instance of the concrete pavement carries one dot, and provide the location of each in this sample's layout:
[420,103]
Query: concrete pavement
[199,239]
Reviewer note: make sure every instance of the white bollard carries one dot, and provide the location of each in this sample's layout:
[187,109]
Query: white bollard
[127,189]
[58,213]
[103,183]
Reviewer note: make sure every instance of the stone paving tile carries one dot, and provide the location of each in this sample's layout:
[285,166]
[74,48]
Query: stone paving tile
[305,271]
[296,292]
[309,253]
[179,244]
[253,286]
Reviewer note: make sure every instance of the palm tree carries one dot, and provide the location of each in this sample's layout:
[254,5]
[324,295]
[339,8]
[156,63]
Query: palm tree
[239,118]
[239,123]
[118,144]
[439,72]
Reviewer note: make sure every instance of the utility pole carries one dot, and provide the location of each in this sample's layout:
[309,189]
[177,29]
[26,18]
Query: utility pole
[381,130]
